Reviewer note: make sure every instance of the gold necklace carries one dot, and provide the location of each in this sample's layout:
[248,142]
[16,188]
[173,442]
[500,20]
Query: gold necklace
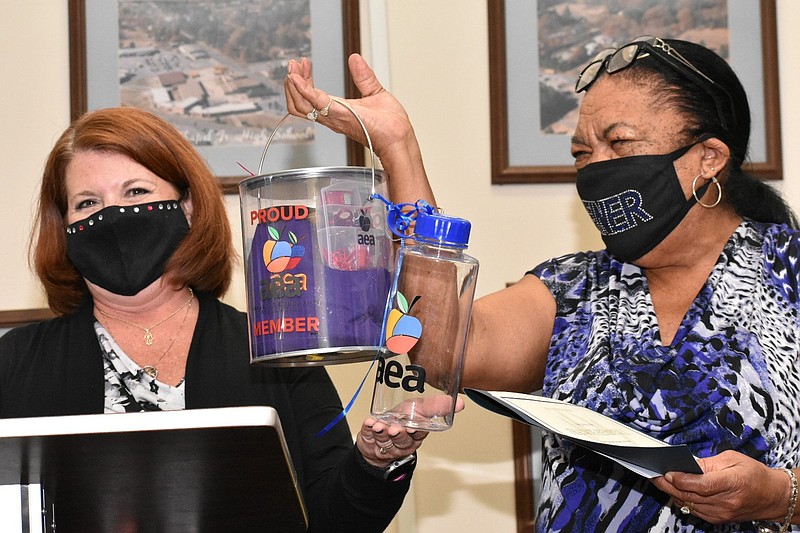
[148,335]
[151,370]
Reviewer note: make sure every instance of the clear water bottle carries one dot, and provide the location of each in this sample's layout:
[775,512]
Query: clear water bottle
[425,326]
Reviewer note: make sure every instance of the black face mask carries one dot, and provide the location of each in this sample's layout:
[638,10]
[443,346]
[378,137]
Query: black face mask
[635,201]
[123,249]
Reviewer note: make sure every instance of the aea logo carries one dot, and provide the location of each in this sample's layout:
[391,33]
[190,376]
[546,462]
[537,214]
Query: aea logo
[402,330]
[402,333]
[281,255]
[394,375]
[364,222]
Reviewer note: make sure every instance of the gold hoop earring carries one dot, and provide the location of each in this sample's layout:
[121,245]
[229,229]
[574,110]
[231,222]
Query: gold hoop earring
[714,181]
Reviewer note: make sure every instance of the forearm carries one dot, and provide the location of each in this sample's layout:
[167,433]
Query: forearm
[353,499]
[402,161]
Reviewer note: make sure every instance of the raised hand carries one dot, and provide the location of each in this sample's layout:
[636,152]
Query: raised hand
[382,114]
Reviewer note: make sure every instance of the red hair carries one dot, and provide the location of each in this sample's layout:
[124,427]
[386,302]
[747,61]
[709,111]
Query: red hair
[204,259]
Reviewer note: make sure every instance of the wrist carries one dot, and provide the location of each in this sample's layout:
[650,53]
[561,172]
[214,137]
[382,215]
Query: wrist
[782,513]
[408,181]
[396,470]
[399,146]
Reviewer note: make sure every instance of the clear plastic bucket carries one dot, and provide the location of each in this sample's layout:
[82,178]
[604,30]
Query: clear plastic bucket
[318,263]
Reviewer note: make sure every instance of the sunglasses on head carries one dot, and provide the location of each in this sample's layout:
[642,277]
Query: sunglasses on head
[616,59]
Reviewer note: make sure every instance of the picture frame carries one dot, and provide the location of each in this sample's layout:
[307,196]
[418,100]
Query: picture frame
[524,446]
[94,83]
[13,318]
[522,154]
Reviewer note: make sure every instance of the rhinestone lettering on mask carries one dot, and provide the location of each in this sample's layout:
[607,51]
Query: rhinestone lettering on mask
[618,213]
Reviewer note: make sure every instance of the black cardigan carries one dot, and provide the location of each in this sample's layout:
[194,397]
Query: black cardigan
[55,368]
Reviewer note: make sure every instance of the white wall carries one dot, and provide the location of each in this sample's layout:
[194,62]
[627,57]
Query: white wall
[34,100]
[438,65]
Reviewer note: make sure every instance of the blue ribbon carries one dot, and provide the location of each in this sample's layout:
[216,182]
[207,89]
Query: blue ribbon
[346,410]
[399,217]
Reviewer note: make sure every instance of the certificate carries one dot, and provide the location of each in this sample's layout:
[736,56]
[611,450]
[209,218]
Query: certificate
[640,453]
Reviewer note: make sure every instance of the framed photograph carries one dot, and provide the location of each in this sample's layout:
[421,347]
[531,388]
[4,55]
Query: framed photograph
[214,69]
[226,61]
[537,49]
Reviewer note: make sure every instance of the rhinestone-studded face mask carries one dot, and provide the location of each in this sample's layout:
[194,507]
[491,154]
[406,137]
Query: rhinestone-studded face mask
[124,249]
[635,201]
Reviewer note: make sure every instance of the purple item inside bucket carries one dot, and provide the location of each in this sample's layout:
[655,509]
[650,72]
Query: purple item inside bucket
[297,304]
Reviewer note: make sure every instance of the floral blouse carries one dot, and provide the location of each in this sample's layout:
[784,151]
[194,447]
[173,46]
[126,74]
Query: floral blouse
[730,378]
[128,388]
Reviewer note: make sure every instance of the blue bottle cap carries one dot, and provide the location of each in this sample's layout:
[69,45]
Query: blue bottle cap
[451,231]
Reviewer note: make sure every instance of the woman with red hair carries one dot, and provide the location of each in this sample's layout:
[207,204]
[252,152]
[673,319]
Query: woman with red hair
[133,247]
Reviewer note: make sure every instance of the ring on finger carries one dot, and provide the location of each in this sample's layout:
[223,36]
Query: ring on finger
[324,111]
[384,448]
[312,115]
[686,508]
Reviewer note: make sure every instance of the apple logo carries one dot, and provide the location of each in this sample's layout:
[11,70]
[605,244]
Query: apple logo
[402,330]
[282,255]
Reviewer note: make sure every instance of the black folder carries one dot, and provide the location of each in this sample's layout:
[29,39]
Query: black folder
[219,470]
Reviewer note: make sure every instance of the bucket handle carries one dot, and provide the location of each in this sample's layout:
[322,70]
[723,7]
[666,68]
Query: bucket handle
[361,123]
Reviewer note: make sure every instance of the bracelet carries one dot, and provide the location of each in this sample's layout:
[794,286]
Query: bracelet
[792,501]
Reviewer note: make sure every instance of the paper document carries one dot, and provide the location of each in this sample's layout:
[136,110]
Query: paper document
[640,453]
